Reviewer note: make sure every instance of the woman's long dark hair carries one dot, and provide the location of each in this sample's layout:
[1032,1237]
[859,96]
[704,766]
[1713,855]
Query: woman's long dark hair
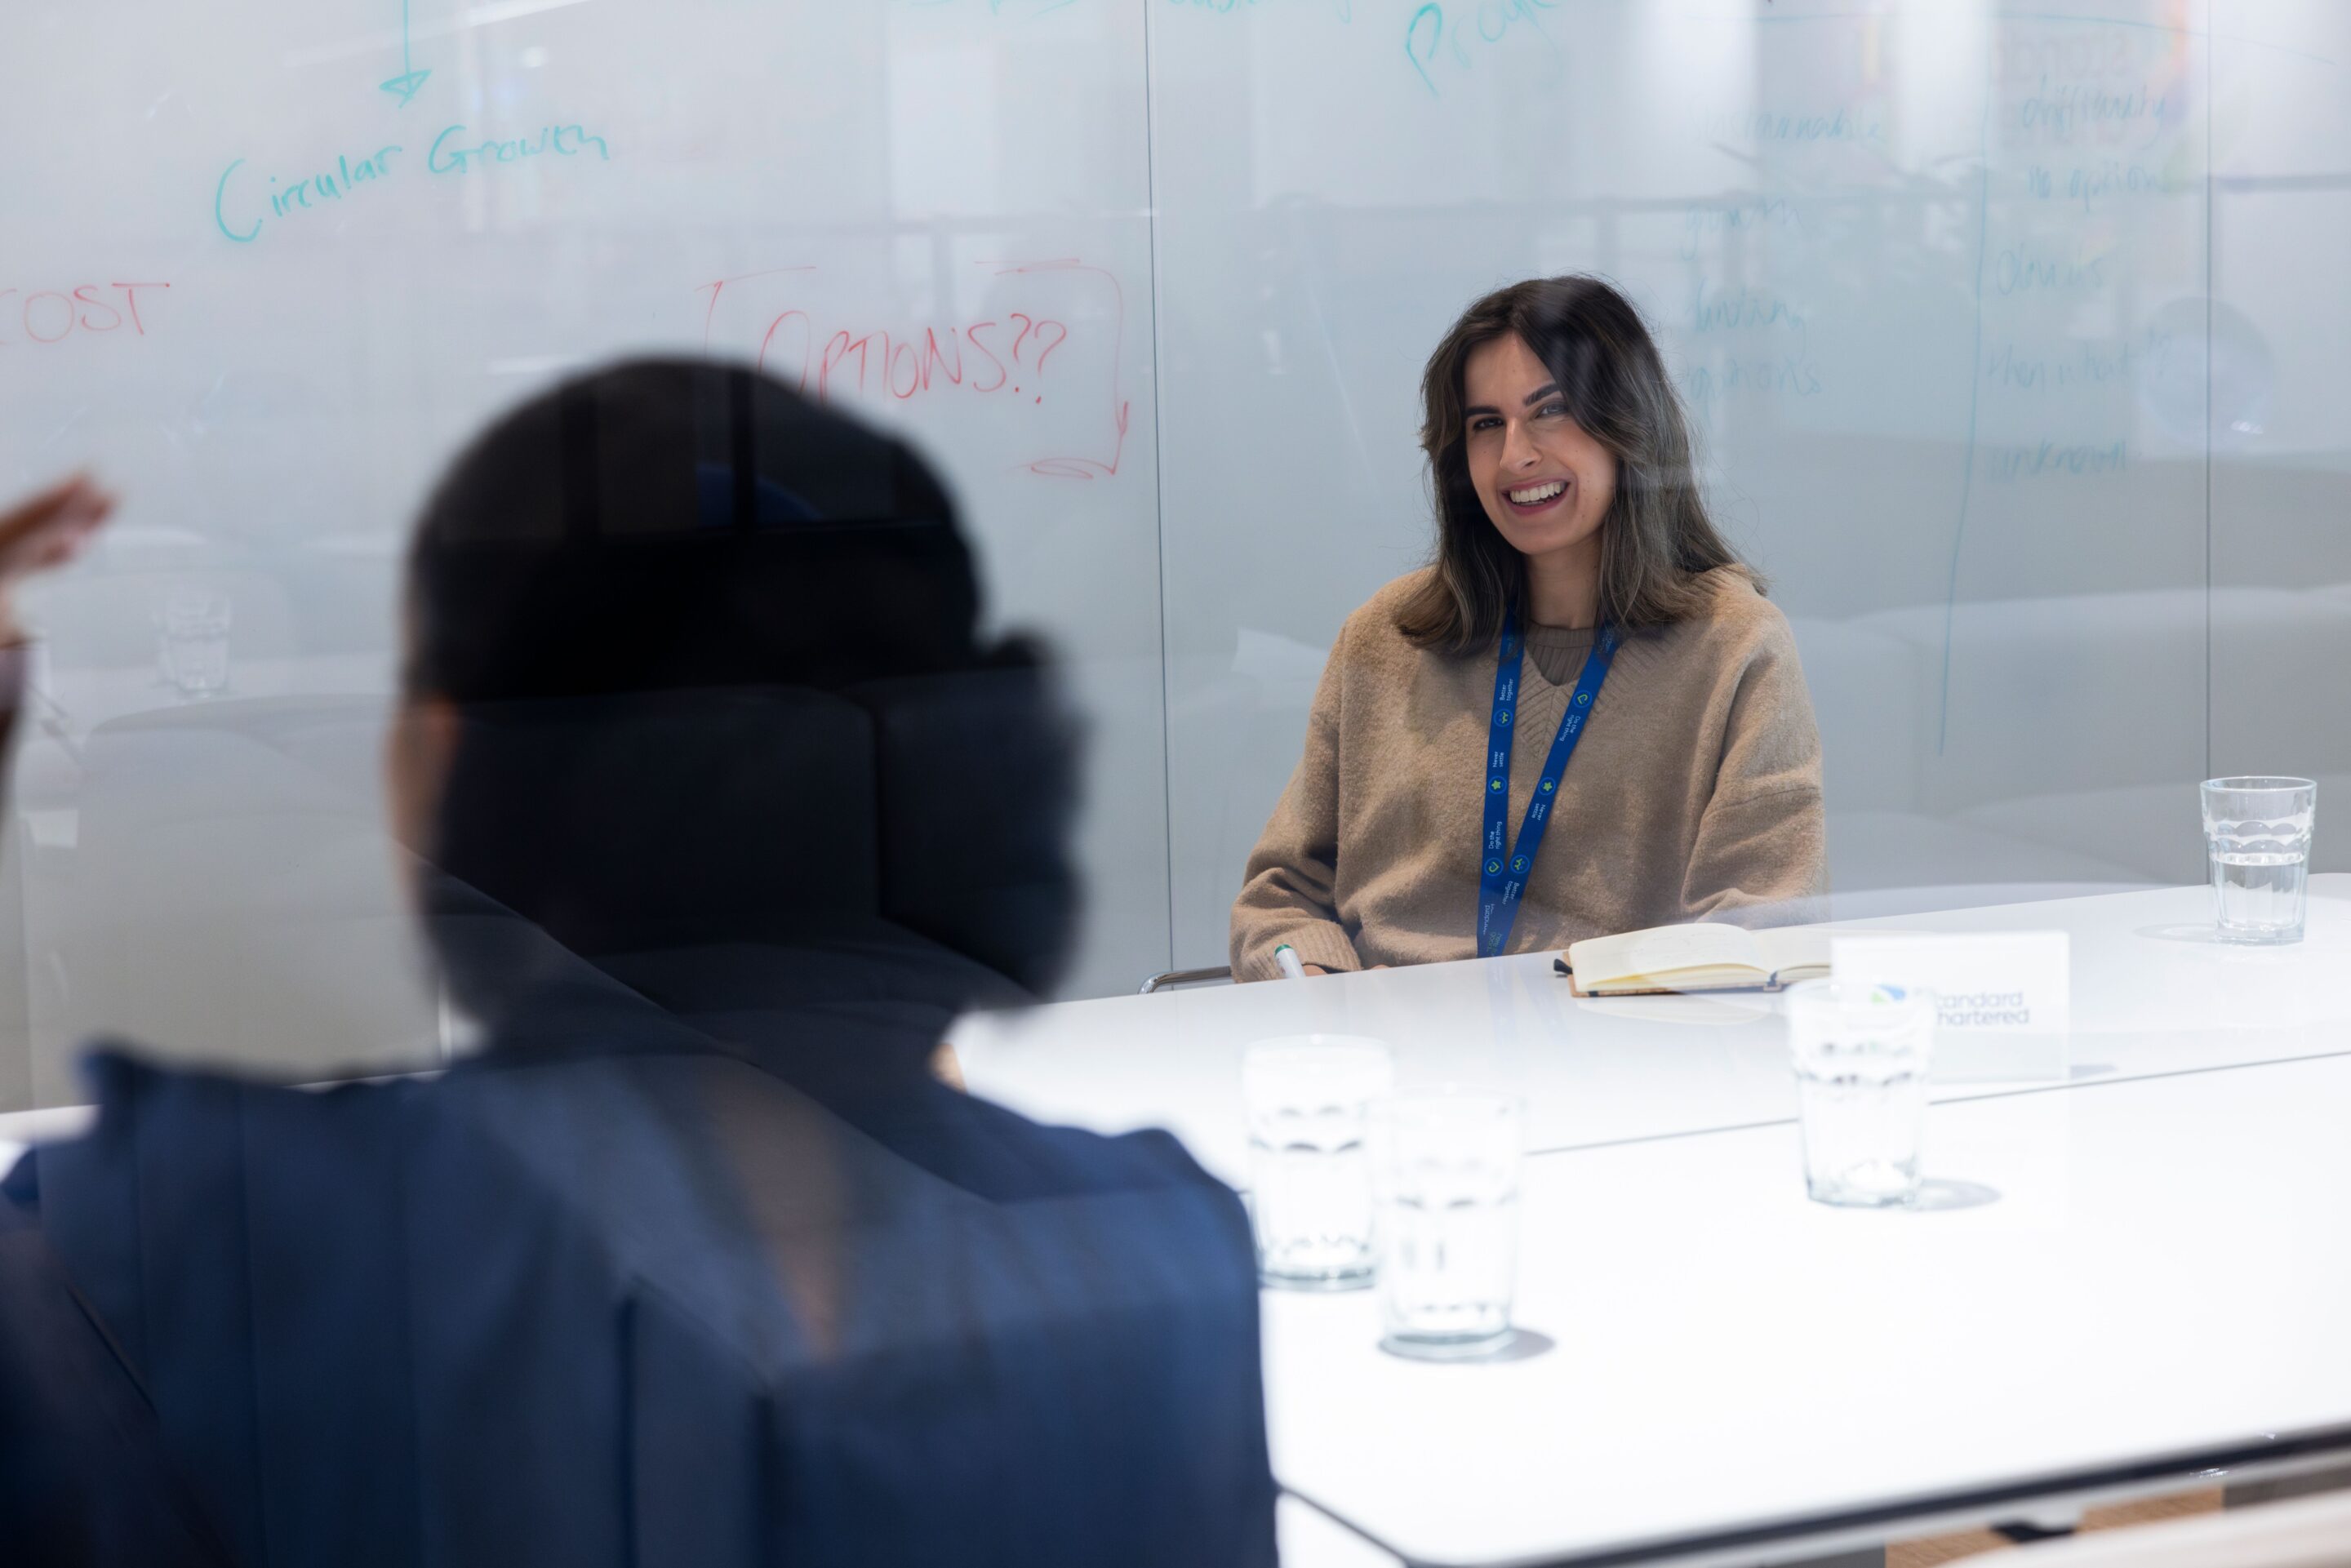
[1657,538]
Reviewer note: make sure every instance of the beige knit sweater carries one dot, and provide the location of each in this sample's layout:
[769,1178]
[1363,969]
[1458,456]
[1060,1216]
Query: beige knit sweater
[1695,793]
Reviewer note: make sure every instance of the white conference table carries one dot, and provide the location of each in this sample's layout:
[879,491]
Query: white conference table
[2130,1278]
[2152,1284]
[2152,993]
[2127,1280]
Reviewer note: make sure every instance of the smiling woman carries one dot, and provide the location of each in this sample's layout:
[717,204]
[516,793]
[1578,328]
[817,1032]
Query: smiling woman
[1579,588]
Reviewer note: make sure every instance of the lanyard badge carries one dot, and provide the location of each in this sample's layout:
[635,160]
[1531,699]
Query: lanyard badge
[1502,879]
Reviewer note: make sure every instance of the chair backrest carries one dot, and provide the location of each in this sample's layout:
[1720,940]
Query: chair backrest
[2309,1533]
[235,891]
[738,814]
[978,799]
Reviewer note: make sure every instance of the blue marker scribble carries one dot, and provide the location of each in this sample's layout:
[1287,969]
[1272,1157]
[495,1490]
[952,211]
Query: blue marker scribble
[1429,33]
[559,140]
[1434,16]
[238,198]
[243,204]
[406,83]
[220,197]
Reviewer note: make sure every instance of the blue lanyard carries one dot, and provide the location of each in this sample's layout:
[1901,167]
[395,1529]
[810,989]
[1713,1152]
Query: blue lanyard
[1501,884]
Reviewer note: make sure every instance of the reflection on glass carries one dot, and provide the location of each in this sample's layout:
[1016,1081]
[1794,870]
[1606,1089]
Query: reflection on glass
[192,627]
[720,808]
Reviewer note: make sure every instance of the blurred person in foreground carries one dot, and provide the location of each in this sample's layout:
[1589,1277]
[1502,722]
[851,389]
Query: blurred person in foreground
[721,813]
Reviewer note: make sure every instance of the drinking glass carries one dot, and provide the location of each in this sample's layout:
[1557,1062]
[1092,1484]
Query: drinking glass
[1307,1098]
[1861,1078]
[191,642]
[1444,1179]
[2257,833]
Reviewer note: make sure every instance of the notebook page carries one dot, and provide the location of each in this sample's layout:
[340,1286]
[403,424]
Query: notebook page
[1662,950]
[1793,948]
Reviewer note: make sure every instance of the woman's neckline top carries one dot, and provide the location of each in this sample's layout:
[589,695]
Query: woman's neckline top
[1695,794]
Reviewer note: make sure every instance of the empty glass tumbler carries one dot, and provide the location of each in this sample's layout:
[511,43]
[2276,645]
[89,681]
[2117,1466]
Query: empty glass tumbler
[1307,1098]
[2257,834]
[1860,1081]
[1445,1180]
[192,628]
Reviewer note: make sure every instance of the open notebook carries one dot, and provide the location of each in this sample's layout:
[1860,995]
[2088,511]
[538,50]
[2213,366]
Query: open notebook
[1705,957]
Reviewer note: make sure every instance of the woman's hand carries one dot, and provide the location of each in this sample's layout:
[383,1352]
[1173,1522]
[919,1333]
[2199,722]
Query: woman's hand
[44,532]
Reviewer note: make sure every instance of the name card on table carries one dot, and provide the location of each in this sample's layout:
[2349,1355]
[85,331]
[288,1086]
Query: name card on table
[2003,999]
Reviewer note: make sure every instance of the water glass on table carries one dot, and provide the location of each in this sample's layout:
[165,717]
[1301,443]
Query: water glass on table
[192,627]
[1860,1081]
[1307,1099]
[2257,833]
[1445,1184]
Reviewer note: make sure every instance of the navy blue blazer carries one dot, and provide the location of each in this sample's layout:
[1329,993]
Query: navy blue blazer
[618,1291]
